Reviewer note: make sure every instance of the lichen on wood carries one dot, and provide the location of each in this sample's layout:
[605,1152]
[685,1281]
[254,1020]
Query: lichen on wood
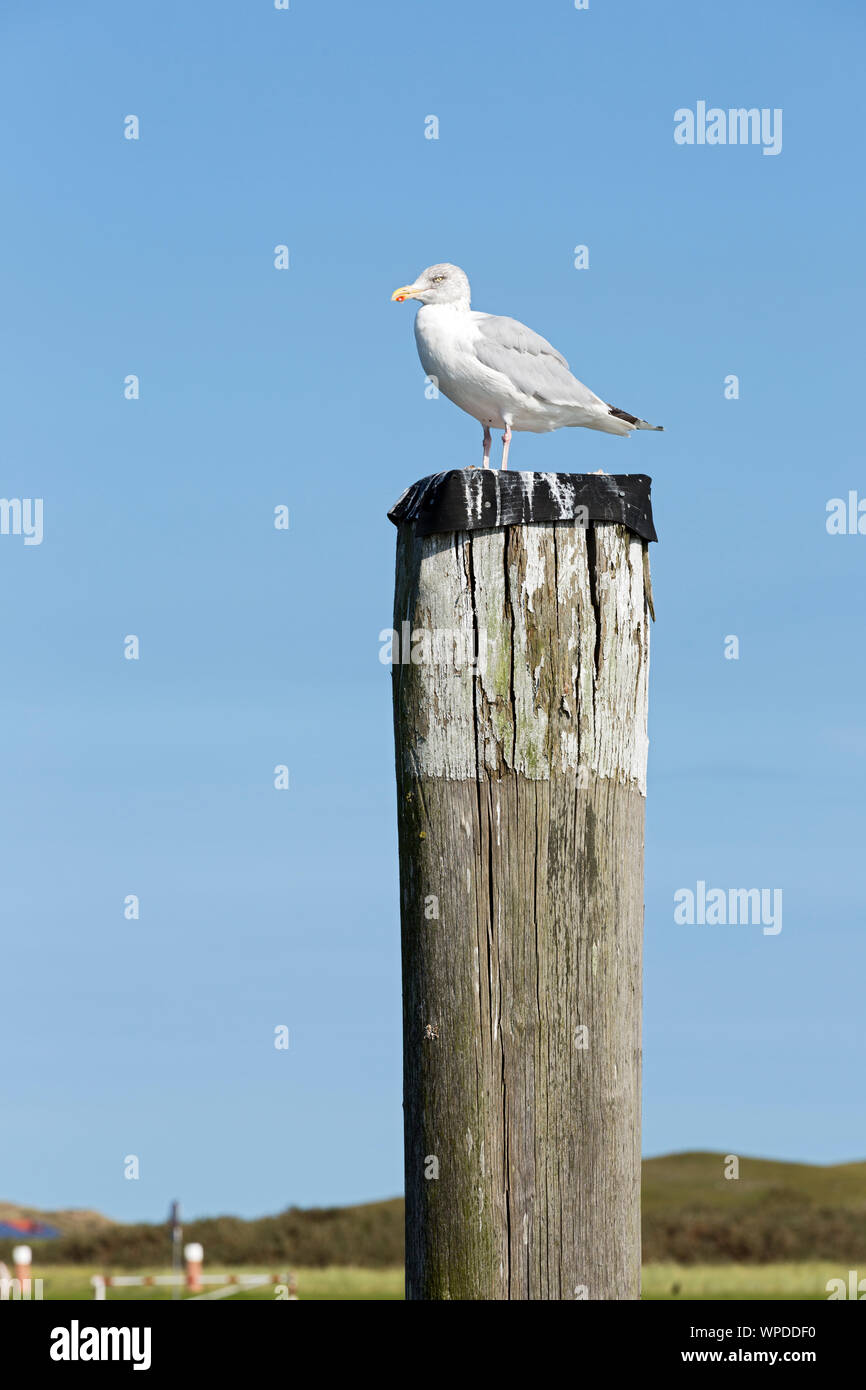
[544,602]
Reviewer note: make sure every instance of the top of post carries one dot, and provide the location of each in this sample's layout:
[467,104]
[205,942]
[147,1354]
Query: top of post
[474,499]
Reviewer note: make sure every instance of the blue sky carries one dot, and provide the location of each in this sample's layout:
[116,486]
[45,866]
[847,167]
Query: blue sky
[260,387]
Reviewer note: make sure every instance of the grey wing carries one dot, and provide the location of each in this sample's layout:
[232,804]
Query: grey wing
[529,361]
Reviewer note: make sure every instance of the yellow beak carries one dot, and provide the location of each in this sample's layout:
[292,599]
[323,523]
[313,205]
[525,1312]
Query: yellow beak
[404,292]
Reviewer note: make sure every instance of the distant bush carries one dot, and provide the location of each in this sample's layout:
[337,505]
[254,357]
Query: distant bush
[771,1231]
[779,1226]
[369,1235]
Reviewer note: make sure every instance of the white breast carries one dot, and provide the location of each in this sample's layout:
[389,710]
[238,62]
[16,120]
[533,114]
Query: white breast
[445,334]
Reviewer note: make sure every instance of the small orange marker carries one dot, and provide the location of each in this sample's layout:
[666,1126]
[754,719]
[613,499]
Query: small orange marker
[22,1256]
[193,1254]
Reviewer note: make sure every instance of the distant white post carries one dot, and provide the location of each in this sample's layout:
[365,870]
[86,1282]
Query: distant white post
[193,1254]
[22,1257]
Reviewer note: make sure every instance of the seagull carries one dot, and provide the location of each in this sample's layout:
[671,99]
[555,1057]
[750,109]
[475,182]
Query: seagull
[498,370]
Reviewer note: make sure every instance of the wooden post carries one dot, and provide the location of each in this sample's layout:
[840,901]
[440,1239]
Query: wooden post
[521,791]
[193,1254]
[22,1258]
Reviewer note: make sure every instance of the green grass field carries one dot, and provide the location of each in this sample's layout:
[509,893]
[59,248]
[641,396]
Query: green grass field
[339,1284]
[673,1282]
[72,1282]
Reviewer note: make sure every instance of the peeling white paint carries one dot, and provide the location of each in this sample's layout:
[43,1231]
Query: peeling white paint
[569,751]
[472,722]
[536,569]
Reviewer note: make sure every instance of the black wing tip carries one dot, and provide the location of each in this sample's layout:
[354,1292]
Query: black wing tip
[635,420]
[623,415]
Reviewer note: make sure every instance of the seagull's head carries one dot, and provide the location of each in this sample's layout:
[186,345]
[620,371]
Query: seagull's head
[438,284]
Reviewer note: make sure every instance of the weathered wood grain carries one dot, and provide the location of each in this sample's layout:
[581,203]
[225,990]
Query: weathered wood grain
[521,784]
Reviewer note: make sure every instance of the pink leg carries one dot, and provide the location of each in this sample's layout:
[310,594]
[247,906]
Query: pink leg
[487,438]
[506,441]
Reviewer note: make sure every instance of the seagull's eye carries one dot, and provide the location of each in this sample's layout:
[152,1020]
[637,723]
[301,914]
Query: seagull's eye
[437,278]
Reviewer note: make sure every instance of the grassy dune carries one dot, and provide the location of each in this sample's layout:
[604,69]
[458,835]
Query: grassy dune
[677,1181]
